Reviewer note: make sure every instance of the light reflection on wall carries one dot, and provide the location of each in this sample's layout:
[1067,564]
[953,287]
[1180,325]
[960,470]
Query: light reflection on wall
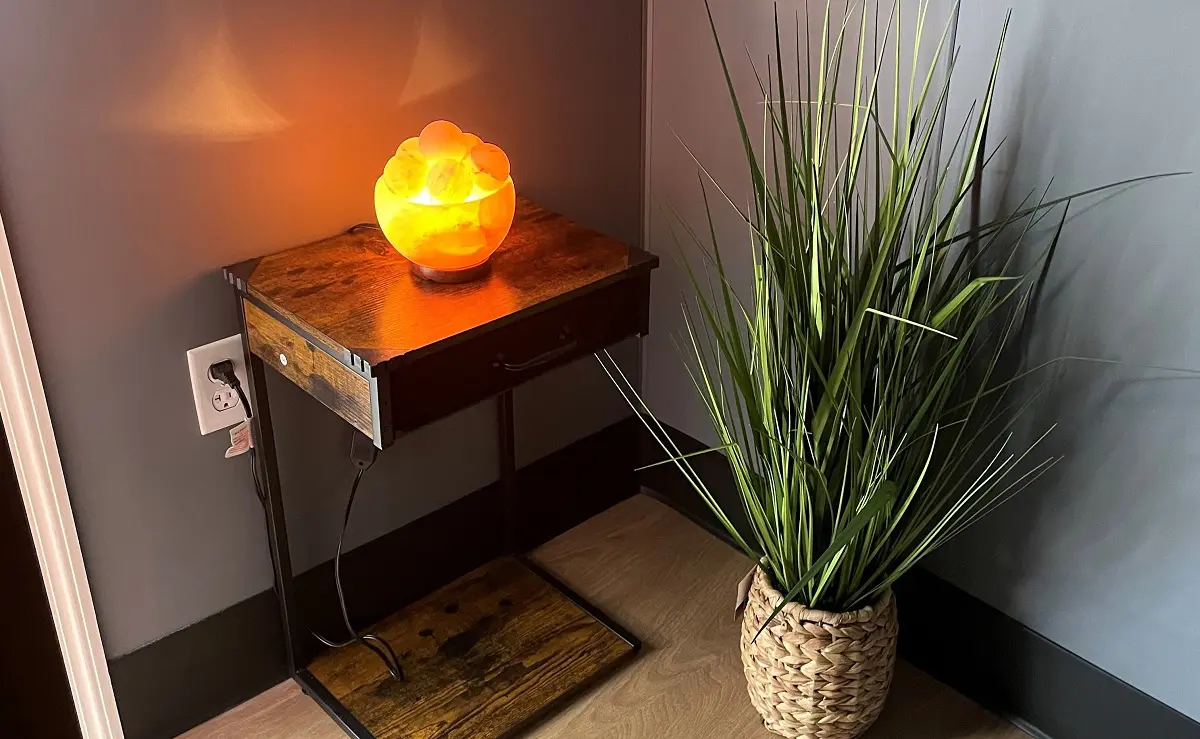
[441,60]
[211,90]
[204,95]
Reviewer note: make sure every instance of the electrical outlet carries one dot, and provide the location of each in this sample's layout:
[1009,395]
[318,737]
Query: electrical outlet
[217,406]
[224,399]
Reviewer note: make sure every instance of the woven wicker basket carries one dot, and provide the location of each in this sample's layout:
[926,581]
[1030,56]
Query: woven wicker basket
[816,674]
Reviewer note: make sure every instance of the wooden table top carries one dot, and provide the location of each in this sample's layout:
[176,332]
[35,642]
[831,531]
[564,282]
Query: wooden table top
[356,294]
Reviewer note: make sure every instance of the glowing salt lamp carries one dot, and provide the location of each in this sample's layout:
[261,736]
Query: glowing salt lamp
[446,201]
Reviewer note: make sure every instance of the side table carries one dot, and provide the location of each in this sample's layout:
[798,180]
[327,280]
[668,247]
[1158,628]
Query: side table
[346,321]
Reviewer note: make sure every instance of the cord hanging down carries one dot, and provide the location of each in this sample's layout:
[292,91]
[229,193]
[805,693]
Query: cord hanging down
[362,454]
[377,644]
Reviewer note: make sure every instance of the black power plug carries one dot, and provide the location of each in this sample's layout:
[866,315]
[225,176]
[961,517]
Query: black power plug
[224,373]
[362,451]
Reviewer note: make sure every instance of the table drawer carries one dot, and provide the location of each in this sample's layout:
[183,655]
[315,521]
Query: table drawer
[339,388]
[426,388]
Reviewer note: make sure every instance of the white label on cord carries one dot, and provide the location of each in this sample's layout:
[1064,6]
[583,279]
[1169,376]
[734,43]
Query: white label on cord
[240,440]
[743,592]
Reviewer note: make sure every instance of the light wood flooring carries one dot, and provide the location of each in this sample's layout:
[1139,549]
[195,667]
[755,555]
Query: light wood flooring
[673,585]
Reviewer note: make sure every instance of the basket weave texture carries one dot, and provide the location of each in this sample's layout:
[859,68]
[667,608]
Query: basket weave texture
[816,674]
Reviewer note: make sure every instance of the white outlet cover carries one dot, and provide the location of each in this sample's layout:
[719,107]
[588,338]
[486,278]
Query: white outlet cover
[203,387]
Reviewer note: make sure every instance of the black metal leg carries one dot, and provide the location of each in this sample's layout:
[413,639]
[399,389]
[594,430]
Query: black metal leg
[295,638]
[508,467]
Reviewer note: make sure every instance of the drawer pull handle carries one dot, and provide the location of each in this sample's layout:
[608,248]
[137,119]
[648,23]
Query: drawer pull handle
[543,358]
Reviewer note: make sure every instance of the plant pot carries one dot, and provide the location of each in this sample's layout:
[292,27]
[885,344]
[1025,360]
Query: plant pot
[816,674]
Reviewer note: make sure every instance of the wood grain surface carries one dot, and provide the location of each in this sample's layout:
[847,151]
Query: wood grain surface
[339,388]
[358,291]
[482,656]
[673,585]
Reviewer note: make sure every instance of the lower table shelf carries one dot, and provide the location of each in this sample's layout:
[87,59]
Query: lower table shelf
[483,656]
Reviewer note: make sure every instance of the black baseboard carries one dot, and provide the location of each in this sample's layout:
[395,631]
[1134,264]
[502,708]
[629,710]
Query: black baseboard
[186,678]
[989,656]
[980,651]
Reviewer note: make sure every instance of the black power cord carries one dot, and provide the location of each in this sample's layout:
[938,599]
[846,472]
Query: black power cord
[362,454]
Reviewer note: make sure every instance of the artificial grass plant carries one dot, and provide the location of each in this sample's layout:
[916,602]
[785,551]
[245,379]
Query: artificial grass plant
[861,387]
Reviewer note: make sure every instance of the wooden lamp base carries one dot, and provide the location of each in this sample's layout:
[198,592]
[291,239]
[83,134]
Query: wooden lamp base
[450,276]
[483,656]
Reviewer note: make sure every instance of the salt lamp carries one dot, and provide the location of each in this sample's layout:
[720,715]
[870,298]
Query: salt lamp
[445,201]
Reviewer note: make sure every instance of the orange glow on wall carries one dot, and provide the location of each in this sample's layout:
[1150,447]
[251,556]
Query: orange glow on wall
[446,201]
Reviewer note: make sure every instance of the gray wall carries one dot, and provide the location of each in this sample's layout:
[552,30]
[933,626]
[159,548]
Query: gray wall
[145,145]
[689,107]
[1101,558]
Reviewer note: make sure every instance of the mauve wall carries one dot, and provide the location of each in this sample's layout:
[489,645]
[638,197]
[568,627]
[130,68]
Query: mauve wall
[145,145]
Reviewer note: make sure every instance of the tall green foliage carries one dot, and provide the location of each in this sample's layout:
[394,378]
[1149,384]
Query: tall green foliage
[861,391]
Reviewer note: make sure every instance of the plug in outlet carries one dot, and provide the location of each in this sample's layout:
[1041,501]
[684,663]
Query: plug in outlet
[217,406]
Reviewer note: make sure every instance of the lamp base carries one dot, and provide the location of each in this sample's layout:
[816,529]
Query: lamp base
[451,276]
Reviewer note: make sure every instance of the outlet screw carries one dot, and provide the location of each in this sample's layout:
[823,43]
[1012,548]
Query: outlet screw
[283,359]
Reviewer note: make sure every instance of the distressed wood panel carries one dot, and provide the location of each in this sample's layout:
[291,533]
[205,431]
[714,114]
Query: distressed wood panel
[482,657]
[339,388]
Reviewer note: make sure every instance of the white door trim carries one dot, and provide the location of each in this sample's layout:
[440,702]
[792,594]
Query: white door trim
[647,118]
[39,471]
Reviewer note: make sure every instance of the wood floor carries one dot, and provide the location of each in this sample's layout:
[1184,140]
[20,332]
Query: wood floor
[673,585]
